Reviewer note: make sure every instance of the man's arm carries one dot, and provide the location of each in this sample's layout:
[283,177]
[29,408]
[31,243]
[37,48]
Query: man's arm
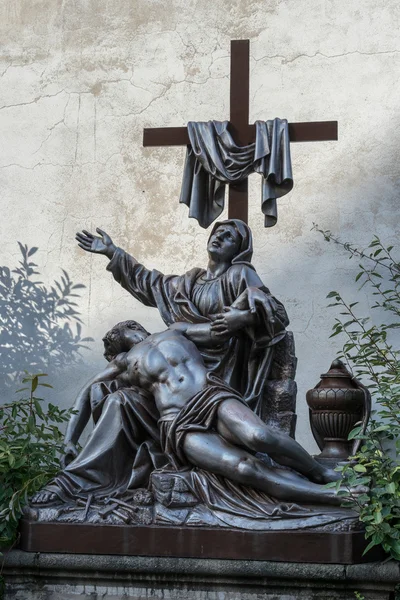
[79,420]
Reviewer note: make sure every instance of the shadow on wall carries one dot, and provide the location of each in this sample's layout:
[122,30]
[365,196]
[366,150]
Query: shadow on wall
[40,327]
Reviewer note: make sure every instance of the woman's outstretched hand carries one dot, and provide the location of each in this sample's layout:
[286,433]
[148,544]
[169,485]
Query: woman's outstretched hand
[102,244]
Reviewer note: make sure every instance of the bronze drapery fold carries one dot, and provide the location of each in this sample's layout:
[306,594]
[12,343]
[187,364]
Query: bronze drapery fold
[214,160]
[123,449]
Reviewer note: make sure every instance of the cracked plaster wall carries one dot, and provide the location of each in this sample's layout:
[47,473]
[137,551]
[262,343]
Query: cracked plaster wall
[79,82]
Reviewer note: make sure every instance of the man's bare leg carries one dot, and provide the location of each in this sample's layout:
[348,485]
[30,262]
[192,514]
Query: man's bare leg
[209,451]
[238,424]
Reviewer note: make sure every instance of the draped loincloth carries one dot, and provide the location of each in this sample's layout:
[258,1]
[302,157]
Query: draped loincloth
[197,415]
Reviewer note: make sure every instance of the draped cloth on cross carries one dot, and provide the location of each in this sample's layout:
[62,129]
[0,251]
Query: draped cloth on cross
[214,160]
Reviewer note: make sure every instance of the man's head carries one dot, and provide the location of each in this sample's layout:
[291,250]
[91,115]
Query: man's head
[122,337]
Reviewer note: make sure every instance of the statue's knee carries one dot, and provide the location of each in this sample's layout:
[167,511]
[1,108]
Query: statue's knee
[246,468]
[261,438]
[115,400]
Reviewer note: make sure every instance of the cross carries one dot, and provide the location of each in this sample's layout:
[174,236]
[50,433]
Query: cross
[243,133]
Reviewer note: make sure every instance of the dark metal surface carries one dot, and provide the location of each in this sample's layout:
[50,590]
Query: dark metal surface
[238,201]
[165,136]
[242,132]
[198,295]
[336,404]
[239,91]
[282,546]
[318,131]
[189,401]
[203,423]
[214,160]
[238,206]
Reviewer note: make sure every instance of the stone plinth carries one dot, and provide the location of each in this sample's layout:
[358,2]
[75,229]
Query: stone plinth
[34,576]
[302,546]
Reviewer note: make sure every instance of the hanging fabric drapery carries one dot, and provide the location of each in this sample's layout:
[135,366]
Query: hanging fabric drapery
[214,160]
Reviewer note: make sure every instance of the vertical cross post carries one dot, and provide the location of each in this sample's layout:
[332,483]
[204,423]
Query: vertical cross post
[239,120]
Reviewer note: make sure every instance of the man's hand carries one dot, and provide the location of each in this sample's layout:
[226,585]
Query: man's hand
[92,243]
[71,452]
[230,321]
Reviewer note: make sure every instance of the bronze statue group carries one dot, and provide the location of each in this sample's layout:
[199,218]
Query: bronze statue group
[189,399]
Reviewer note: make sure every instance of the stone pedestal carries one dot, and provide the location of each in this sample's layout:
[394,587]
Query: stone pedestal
[302,546]
[34,576]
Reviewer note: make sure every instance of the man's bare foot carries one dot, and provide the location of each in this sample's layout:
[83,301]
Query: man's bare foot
[337,496]
[330,475]
[321,475]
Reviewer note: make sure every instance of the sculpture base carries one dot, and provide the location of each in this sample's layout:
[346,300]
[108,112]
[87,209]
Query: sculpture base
[195,542]
[30,576]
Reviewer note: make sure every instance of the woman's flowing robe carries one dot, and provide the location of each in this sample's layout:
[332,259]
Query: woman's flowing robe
[122,450]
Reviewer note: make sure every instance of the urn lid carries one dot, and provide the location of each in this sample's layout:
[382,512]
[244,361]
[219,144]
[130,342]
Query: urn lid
[337,376]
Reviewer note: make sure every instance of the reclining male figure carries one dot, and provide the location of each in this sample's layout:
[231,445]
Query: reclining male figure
[205,423]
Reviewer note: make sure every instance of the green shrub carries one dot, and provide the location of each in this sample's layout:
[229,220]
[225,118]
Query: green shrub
[31,444]
[371,350]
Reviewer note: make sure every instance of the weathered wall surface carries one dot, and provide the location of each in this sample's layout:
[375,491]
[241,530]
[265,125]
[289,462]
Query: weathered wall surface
[80,81]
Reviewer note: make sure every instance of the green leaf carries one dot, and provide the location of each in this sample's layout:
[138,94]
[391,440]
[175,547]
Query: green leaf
[382,428]
[355,432]
[363,480]
[391,488]
[335,333]
[331,484]
[378,517]
[370,545]
[360,468]
[38,407]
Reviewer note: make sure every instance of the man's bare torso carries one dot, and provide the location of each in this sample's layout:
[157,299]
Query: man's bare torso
[169,366]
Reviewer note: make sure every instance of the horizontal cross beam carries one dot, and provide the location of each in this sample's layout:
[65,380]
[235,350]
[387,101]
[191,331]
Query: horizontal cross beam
[298,132]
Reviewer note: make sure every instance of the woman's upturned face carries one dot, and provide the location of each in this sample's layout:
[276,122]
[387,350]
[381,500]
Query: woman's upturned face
[224,243]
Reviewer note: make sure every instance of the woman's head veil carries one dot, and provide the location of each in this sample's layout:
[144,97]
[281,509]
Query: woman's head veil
[246,240]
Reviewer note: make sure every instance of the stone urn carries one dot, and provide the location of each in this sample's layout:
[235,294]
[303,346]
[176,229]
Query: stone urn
[336,404]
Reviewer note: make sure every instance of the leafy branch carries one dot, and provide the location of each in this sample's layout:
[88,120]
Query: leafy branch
[372,351]
[31,444]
